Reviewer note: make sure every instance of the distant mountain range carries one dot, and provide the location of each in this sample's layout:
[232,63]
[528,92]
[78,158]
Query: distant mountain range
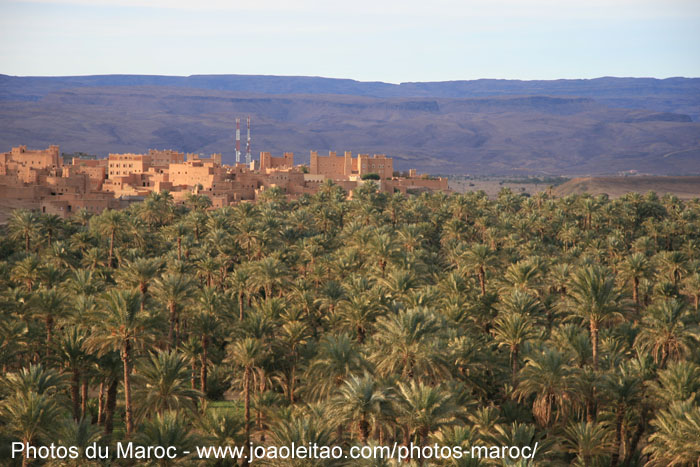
[571,127]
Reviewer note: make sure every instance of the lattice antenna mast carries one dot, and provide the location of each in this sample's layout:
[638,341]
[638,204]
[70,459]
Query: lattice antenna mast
[238,141]
[248,158]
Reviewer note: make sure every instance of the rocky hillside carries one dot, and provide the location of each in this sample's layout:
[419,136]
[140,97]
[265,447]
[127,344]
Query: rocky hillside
[574,127]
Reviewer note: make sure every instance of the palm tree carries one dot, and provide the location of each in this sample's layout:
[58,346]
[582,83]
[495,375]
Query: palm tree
[157,209]
[109,369]
[594,298]
[405,345]
[337,360]
[139,274]
[28,271]
[247,354]
[382,248]
[547,377]
[205,324]
[691,286]
[302,430]
[361,401]
[625,390]
[52,224]
[478,258]
[221,425]
[240,283]
[398,283]
[589,441]
[50,304]
[33,378]
[357,314]
[667,331]
[13,335]
[675,440]
[269,273]
[169,429]
[162,384]
[110,223]
[677,383]
[293,335]
[634,268]
[173,290]
[71,353]
[197,202]
[31,417]
[80,434]
[525,275]
[674,264]
[196,220]
[122,328]
[424,409]
[512,331]
[23,225]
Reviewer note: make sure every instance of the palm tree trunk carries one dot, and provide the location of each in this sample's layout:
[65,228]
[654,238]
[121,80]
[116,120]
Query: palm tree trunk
[144,290]
[618,435]
[75,382]
[193,378]
[111,249]
[594,343]
[261,390]
[240,305]
[179,248]
[664,357]
[26,242]
[203,369]
[635,291]
[25,461]
[110,407]
[364,431]
[100,404]
[641,427]
[514,357]
[246,397]
[49,332]
[482,280]
[128,410]
[171,331]
[292,377]
[84,397]
[360,334]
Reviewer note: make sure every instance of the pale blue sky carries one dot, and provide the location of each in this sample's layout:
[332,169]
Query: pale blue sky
[369,40]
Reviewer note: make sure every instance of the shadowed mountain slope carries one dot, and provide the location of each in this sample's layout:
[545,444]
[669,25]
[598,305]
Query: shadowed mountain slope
[485,126]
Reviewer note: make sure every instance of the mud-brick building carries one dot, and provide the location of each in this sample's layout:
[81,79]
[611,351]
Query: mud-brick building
[346,167]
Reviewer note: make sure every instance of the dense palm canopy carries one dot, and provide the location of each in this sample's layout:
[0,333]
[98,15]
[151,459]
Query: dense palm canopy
[461,320]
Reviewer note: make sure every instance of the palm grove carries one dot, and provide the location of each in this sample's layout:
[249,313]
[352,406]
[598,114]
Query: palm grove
[457,320]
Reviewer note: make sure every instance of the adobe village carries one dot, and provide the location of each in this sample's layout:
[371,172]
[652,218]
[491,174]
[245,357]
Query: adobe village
[42,180]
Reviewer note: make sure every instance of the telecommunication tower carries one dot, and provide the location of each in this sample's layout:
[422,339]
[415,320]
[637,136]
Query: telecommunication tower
[238,141]
[247,145]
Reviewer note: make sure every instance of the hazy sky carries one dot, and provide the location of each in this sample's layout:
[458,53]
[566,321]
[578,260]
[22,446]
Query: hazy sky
[394,41]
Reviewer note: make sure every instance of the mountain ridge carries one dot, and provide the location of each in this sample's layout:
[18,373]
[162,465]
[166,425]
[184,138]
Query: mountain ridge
[494,133]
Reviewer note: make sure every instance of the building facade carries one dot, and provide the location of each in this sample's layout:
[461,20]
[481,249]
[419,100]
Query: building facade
[39,178]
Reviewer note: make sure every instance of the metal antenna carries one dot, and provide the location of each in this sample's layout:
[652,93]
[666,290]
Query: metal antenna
[238,141]
[247,145]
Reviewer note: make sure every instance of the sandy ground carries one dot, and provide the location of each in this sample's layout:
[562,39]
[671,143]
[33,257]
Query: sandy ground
[492,187]
[683,187]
